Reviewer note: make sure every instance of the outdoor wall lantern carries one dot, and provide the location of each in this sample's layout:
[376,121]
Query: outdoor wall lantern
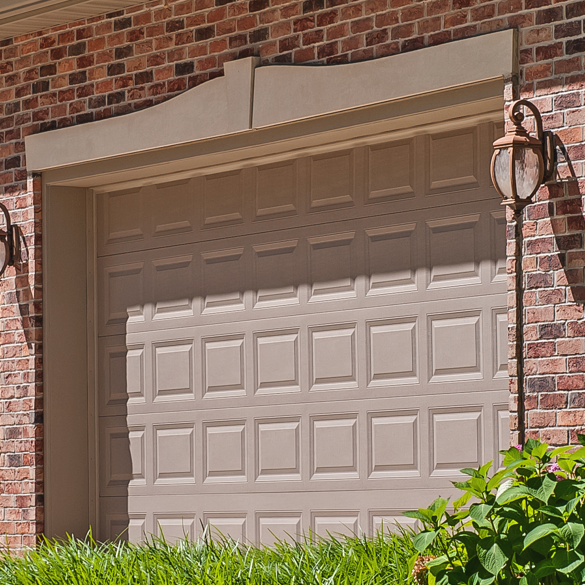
[8,240]
[521,162]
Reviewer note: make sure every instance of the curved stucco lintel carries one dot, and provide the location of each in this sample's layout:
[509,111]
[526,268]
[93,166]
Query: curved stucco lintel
[283,93]
[220,106]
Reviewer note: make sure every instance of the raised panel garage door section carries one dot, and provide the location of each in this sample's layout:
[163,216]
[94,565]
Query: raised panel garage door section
[317,343]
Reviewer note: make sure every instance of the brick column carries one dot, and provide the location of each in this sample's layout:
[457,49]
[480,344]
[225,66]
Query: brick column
[21,408]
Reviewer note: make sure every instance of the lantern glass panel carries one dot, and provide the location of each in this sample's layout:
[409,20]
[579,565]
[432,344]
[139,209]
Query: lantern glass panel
[527,170]
[502,172]
[3,253]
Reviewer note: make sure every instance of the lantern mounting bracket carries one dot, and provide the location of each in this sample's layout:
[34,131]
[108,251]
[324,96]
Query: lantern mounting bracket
[9,239]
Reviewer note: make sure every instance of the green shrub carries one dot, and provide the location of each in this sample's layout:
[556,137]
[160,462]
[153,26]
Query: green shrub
[525,525]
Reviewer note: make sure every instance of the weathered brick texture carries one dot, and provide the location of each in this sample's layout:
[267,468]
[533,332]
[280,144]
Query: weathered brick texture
[125,61]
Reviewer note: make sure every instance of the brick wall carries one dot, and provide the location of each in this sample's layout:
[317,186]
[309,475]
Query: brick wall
[121,62]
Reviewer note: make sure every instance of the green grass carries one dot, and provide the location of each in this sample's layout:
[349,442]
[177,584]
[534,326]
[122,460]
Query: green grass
[339,561]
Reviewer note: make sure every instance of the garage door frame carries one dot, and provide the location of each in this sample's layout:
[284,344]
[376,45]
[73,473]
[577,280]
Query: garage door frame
[69,256]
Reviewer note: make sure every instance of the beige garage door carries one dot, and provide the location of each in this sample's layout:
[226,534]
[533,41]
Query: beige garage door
[313,344]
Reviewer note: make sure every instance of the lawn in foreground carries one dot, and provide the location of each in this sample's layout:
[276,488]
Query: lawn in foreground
[356,561]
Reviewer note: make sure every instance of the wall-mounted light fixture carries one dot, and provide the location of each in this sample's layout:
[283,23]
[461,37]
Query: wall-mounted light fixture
[9,237]
[521,163]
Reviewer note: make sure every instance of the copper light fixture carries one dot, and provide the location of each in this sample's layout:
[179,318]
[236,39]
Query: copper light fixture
[8,240]
[521,163]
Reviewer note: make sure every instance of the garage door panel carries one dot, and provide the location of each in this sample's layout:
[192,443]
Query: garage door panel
[374,443]
[388,176]
[380,261]
[387,352]
[315,343]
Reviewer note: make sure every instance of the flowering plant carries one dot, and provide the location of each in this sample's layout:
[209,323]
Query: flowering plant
[525,525]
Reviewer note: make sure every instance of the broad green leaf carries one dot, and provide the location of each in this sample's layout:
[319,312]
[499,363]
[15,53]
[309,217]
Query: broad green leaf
[539,532]
[512,455]
[493,558]
[539,450]
[459,503]
[551,511]
[479,511]
[484,469]
[544,568]
[560,450]
[514,493]
[532,444]
[438,507]
[423,540]
[506,485]
[546,489]
[566,562]
[566,465]
[435,565]
[497,478]
[572,533]
[578,454]
[581,439]
[420,514]
[470,471]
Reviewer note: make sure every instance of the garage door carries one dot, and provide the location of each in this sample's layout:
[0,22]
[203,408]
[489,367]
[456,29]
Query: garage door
[318,343]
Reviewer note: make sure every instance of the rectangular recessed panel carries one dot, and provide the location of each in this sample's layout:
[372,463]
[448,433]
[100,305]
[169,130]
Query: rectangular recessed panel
[174,282]
[117,527]
[392,349]
[277,362]
[224,527]
[225,451]
[123,292]
[456,440]
[334,447]
[173,363]
[223,199]
[276,273]
[223,277]
[122,215]
[122,374]
[501,432]
[455,346]
[276,190]
[136,438]
[284,527]
[390,522]
[500,342]
[391,171]
[393,444]
[331,180]
[174,453]
[453,161]
[173,208]
[328,525]
[136,529]
[452,251]
[174,527]
[224,366]
[333,357]
[391,259]
[278,449]
[498,245]
[331,274]
[124,452]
